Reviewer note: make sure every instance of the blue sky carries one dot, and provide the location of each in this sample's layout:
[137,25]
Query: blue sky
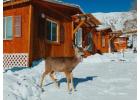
[103,5]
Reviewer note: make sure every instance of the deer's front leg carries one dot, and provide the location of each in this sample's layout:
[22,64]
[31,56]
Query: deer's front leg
[73,89]
[68,80]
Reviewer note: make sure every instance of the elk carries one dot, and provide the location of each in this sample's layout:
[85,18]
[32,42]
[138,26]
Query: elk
[63,64]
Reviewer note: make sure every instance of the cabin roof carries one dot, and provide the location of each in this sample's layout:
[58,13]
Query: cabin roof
[52,1]
[103,28]
[65,4]
[57,2]
[64,9]
[89,20]
[131,31]
[123,36]
[116,32]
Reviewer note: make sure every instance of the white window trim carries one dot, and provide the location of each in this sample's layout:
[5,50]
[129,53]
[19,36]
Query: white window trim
[57,34]
[5,28]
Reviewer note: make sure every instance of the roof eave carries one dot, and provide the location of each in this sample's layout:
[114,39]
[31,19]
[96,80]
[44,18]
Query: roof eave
[67,4]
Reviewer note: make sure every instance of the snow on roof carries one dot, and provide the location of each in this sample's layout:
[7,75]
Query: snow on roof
[6,0]
[66,4]
[57,2]
[102,27]
[61,2]
[123,35]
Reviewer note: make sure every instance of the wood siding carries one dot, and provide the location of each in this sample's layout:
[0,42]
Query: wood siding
[18,44]
[31,41]
[40,47]
[97,38]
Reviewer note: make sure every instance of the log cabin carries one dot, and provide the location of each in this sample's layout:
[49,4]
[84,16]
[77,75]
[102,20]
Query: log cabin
[34,29]
[101,38]
[118,41]
[105,40]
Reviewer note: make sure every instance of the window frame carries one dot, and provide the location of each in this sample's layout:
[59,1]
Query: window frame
[57,31]
[5,29]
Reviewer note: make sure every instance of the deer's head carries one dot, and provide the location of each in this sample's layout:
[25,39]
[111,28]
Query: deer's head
[79,51]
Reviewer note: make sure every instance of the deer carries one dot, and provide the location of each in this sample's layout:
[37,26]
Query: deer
[63,64]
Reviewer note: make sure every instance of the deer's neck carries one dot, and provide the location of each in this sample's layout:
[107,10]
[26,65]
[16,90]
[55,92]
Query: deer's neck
[77,60]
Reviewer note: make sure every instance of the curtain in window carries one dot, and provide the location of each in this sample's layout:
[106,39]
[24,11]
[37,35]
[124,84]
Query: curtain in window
[17,26]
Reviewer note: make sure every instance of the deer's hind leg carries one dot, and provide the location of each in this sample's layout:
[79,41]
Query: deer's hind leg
[42,77]
[54,79]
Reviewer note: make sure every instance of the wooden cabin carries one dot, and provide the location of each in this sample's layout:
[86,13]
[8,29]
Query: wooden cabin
[119,41]
[36,29]
[89,24]
[101,38]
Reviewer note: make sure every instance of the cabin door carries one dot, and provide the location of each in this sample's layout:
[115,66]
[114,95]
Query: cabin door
[78,37]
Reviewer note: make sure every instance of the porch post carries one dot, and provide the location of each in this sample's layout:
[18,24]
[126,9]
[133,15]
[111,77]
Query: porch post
[80,24]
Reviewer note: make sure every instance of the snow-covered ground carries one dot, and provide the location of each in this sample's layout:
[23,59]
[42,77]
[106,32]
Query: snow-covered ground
[98,77]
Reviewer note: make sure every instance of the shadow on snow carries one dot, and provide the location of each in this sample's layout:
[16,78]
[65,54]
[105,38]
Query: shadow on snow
[16,68]
[78,80]
[75,80]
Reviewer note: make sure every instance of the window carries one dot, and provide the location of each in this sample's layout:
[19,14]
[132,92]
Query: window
[78,37]
[103,41]
[52,30]
[121,40]
[7,28]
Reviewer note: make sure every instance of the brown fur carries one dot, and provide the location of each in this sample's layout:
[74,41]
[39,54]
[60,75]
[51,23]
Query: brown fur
[62,64]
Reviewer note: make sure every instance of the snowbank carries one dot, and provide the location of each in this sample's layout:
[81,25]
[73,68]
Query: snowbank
[109,57]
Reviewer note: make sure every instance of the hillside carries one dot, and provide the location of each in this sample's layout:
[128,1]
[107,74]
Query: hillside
[119,20]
